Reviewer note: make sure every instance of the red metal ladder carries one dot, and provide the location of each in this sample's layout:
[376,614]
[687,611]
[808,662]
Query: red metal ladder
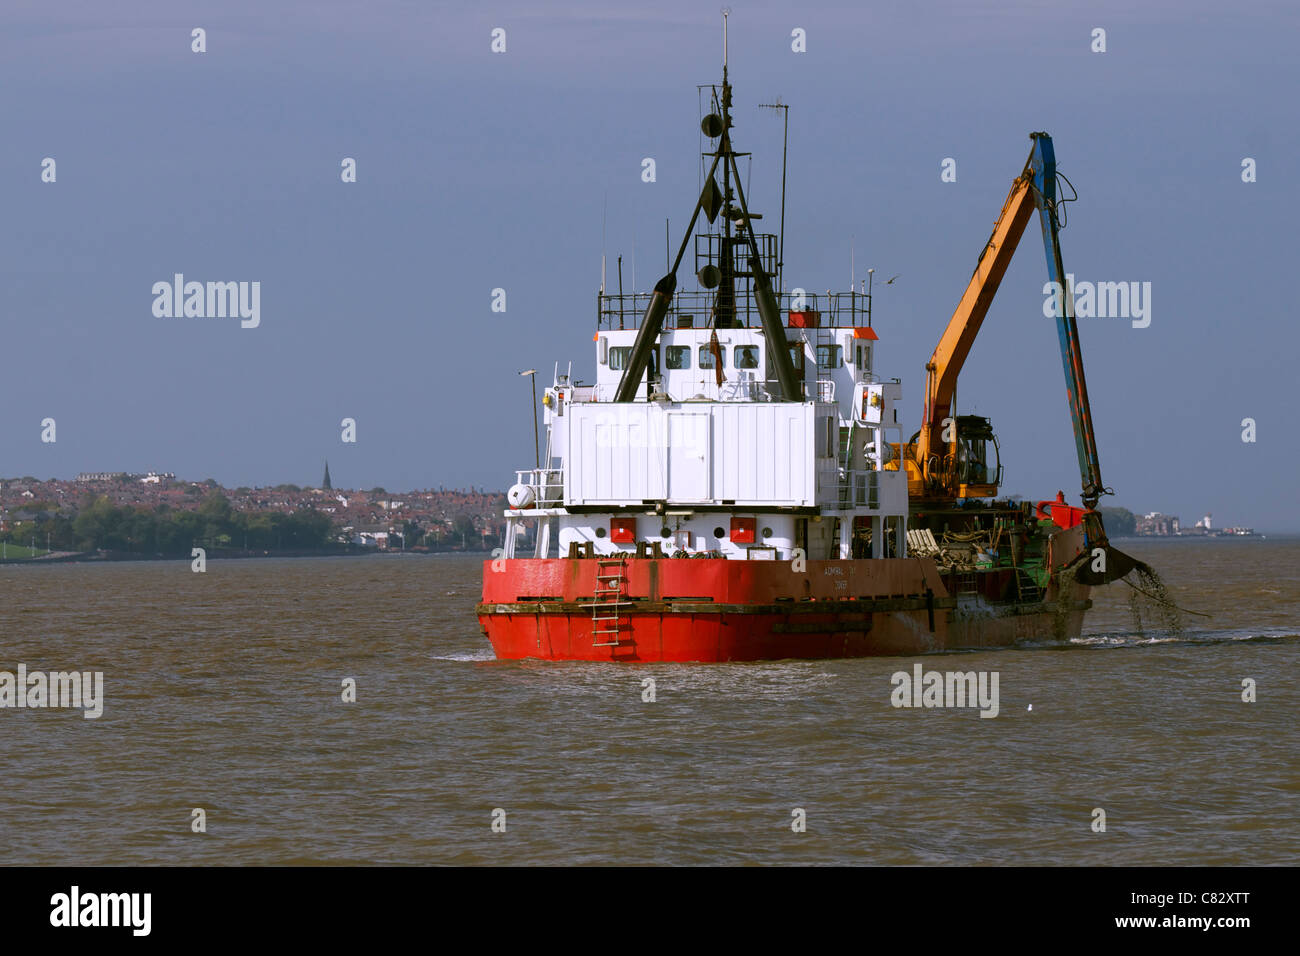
[606,602]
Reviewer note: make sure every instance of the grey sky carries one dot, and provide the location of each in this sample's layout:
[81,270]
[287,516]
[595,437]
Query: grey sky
[478,170]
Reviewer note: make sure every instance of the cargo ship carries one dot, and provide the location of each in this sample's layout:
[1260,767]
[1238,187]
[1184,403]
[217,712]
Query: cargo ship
[735,484]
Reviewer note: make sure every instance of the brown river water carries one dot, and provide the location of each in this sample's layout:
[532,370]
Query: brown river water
[223,691]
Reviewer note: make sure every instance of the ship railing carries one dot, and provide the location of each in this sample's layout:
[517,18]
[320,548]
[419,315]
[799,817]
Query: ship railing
[762,390]
[747,390]
[849,309]
[731,390]
[547,485]
[695,308]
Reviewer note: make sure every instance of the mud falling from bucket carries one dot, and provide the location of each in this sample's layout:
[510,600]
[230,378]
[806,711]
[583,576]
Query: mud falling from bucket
[1151,599]
[1065,587]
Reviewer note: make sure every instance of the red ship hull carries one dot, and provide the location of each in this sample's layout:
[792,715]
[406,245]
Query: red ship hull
[714,610]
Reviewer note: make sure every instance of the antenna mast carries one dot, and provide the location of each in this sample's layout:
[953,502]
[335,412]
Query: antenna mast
[726,11]
[785,148]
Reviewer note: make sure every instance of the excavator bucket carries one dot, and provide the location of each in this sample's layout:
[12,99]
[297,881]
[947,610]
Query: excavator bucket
[1117,565]
[1114,563]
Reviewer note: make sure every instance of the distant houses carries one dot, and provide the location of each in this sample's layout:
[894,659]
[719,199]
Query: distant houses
[1155,523]
[373,536]
[149,478]
[429,519]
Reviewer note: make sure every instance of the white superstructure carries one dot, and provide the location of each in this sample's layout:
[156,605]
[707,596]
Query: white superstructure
[700,467]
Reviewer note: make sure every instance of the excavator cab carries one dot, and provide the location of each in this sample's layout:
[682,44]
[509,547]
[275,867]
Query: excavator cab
[976,465]
[970,466]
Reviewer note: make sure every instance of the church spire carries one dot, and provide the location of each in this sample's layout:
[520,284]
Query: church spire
[325,485]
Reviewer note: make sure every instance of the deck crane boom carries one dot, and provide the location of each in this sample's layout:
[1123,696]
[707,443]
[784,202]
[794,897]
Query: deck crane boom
[947,455]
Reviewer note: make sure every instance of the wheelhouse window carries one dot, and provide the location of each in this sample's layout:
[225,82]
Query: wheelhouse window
[706,357]
[618,357]
[746,356]
[864,357]
[679,356]
[829,356]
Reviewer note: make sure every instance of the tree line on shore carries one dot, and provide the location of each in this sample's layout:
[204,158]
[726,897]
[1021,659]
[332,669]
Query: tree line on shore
[1119,522]
[103,525]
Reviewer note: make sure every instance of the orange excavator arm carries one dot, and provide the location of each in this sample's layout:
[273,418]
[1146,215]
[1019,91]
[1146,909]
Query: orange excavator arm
[950,354]
[937,464]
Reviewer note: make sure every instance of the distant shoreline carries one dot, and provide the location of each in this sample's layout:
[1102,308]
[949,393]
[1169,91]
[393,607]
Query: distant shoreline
[1257,536]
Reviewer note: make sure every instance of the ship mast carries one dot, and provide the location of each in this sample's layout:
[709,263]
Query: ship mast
[724,311]
[724,305]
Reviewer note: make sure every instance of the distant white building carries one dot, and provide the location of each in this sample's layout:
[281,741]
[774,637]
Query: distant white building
[370,538]
[1155,523]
